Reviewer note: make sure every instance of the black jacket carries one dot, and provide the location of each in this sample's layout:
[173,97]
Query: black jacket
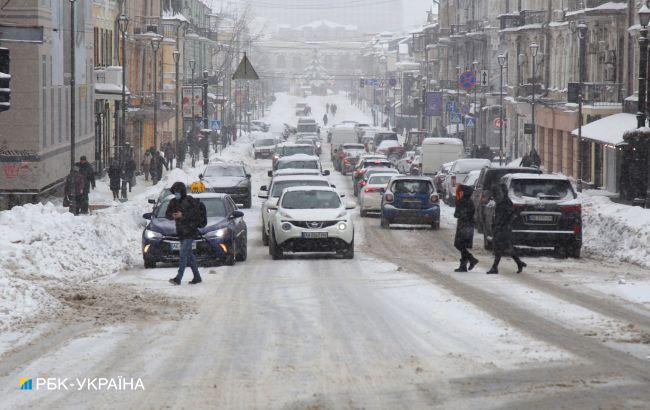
[465,214]
[87,171]
[114,174]
[187,226]
[503,214]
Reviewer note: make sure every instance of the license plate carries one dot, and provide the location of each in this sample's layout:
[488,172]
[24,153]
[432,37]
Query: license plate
[540,218]
[176,246]
[314,235]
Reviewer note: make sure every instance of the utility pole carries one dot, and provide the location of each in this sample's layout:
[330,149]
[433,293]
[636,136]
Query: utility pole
[72,84]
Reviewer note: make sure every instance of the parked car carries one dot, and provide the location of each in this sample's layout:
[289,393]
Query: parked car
[458,171]
[265,147]
[547,213]
[410,200]
[311,219]
[367,173]
[228,178]
[272,192]
[486,186]
[223,239]
[370,195]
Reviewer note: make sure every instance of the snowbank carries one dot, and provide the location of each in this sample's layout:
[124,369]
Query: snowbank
[615,231]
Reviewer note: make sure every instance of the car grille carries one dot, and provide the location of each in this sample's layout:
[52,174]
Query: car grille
[313,224]
[230,191]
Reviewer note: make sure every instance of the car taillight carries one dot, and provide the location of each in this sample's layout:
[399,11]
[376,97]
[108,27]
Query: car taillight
[577,229]
[453,180]
[517,206]
[434,199]
[371,190]
[363,183]
[408,161]
[388,197]
[571,208]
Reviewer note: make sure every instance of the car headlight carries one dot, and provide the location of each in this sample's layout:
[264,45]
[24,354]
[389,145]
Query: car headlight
[342,226]
[286,226]
[219,233]
[149,234]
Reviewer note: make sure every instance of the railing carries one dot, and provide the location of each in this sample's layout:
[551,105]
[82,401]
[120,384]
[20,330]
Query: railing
[458,29]
[603,93]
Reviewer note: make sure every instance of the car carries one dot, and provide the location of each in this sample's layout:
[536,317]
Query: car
[368,162]
[299,161]
[410,200]
[223,239]
[263,126]
[296,171]
[367,172]
[311,219]
[440,176]
[286,149]
[471,178]
[348,156]
[547,213]
[438,151]
[312,139]
[403,164]
[229,178]
[384,136]
[272,192]
[370,195]
[391,148]
[307,126]
[265,147]
[415,138]
[301,109]
[486,186]
[342,134]
[459,169]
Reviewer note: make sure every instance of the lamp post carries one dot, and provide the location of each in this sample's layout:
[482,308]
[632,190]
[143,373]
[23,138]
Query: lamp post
[123,26]
[155,45]
[502,63]
[581,29]
[644,19]
[457,99]
[534,48]
[72,84]
[205,99]
[192,67]
[177,59]
[474,139]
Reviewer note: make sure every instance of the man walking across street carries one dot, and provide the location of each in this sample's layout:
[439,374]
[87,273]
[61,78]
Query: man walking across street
[189,214]
[464,239]
[502,242]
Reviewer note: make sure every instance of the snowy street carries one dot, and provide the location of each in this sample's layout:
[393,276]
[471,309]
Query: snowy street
[393,328]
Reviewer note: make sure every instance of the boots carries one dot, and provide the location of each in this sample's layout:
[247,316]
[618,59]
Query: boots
[462,267]
[520,265]
[472,262]
[495,266]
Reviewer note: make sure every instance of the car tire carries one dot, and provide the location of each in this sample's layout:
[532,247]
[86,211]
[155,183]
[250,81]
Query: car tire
[149,264]
[242,249]
[256,156]
[574,251]
[383,222]
[435,225]
[348,253]
[274,250]
[363,213]
[265,238]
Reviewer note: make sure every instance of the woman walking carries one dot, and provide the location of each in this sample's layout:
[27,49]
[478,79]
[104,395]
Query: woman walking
[464,239]
[502,241]
[114,175]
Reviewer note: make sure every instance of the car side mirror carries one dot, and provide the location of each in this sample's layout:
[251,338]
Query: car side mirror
[382,191]
[236,214]
[270,173]
[200,176]
[264,188]
[333,186]
[350,205]
[151,201]
[248,176]
[326,172]
[148,215]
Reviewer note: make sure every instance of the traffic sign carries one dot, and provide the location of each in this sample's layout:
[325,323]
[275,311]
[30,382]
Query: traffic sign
[528,129]
[450,106]
[498,122]
[456,118]
[470,122]
[484,78]
[215,125]
[467,80]
[245,70]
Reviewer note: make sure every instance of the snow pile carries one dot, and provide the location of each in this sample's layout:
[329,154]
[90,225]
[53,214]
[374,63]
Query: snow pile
[616,231]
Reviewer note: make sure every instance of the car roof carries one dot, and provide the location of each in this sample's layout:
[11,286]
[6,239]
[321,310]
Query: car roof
[309,188]
[224,164]
[281,178]
[297,145]
[383,174]
[411,178]
[296,171]
[513,170]
[298,157]
[554,177]
[384,169]
[439,140]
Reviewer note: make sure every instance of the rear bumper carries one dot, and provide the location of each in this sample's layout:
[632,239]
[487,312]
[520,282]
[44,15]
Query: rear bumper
[371,202]
[263,154]
[401,215]
[544,238]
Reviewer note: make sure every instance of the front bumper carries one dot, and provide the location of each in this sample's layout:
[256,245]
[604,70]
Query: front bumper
[411,216]
[336,238]
[160,250]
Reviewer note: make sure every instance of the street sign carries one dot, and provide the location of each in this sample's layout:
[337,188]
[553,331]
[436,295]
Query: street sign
[372,82]
[498,122]
[467,80]
[528,129]
[215,125]
[245,70]
[470,122]
[484,78]
[450,106]
[456,118]
[433,106]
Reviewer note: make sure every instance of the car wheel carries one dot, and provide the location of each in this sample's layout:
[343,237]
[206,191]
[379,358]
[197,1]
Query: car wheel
[574,251]
[274,250]
[265,238]
[364,213]
[383,222]
[149,264]
[256,156]
[435,225]
[560,252]
[348,253]
[243,250]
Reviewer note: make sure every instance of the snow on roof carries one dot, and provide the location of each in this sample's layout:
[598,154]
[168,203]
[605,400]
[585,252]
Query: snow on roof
[170,15]
[610,129]
[558,177]
[522,28]
[609,6]
[325,23]
[299,157]
[315,177]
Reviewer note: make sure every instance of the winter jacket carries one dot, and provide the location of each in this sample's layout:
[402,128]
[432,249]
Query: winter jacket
[464,213]
[146,161]
[181,149]
[75,184]
[89,173]
[503,214]
[193,217]
[114,174]
[129,169]
[169,151]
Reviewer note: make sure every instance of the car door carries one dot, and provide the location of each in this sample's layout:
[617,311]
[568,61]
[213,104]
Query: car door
[235,224]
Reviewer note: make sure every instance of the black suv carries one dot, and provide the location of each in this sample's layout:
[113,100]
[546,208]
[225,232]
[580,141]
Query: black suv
[486,185]
[228,178]
[547,213]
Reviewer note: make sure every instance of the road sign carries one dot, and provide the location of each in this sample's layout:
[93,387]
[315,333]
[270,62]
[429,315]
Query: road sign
[456,118]
[467,80]
[215,125]
[450,106]
[528,129]
[484,78]
[498,122]
[470,122]
[245,70]
[433,107]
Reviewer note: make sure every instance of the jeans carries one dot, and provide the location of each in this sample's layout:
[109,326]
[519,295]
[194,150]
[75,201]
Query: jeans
[187,257]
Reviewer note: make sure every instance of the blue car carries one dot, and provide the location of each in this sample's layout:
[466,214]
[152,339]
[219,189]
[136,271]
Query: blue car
[410,200]
[223,239]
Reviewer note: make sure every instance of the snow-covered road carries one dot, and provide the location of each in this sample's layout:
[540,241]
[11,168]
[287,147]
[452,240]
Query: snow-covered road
[393,328]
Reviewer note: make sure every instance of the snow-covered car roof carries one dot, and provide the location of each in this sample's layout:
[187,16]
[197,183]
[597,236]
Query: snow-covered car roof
[410,178]
[388,143]
[310,188]
[314,177]
[299,157]
[439,140]
[293,144]
[555,177]
[296,171]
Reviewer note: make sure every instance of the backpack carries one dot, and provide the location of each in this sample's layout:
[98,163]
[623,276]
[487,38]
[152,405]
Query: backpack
[198,217]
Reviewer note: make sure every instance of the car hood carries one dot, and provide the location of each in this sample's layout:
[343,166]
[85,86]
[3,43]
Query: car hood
[167,227]
[223,182]
[315,214]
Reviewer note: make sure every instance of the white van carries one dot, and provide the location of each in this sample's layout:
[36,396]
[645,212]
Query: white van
[342,134]
[437,151]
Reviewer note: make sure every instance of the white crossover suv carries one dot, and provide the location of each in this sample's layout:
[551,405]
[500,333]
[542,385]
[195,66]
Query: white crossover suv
[311,219]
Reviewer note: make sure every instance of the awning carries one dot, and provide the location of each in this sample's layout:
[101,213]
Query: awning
[451,129]
[608,130]
[109,91]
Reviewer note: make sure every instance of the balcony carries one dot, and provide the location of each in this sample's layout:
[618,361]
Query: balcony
[523,18]
[596,94]
[143,25]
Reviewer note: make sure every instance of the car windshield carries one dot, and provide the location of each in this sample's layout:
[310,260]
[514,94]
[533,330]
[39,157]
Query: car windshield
[267,142]
[310,164]
[470,179]
[311,200]
[379,180]
[298,150]
[307,128]
[463,167]
[225,171]
[388,144]
[276,189]
[214,207]
[543,188]
[411,187]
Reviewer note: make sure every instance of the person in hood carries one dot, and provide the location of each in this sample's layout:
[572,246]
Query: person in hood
[189,214]
[75,186]
[502,229]
[325,120]
[464,239]
[114,178]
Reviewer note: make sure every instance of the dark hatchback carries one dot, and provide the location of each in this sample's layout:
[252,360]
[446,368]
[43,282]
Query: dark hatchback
[410,200]
[223,239]
[228,178]
[547,214]
[487,183]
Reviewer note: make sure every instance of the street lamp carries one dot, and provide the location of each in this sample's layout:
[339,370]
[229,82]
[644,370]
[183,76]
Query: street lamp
[205,99]
[72,84]
[177,58]
[192,67]
[155,45]
[581,29]
[474,131]
[502,62]
[123,22]
[644,19]
[457,100]
[534,48]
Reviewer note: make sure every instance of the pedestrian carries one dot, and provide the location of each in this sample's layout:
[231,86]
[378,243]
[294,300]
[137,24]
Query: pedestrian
[327,108]
[189,215]
[89,174]
[464,239]
[129,171]
[168,150]
[181,150]
[114,175]
[157,163]
[146,165]
[325,120]
[204,144]
[75,185]
[502,231]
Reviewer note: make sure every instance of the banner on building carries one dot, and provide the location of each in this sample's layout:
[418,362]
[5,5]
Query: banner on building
[433,104]
[187,98]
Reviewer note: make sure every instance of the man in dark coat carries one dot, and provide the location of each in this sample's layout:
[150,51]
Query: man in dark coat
[189,214]
[129,170]
[181,150]
[502,229]
[114,175]
[89,174]
[75,186]
[464,239]
[169,155]
[325,120]
[157,163]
